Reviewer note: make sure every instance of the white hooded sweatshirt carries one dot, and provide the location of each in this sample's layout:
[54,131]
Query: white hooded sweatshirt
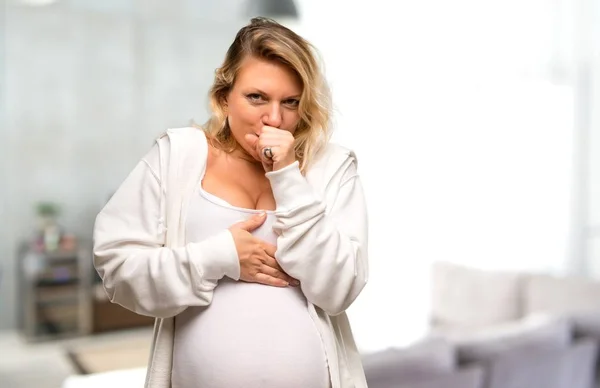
[146,265]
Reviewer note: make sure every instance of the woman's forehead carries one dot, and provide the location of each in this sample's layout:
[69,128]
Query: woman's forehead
[268,77]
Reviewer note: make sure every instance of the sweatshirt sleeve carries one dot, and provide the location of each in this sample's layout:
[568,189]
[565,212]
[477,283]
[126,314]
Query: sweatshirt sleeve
[326,251]
[137,270]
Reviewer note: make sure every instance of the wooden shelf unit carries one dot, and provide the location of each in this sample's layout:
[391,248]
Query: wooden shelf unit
[55,292]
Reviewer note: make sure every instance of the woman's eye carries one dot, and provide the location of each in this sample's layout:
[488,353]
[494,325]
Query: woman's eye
[254,97]
[292,102]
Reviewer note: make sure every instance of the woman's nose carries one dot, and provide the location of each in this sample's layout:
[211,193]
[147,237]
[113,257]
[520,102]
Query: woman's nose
[273,117]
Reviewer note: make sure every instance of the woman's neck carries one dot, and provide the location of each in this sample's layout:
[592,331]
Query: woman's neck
[237,153]
[241,155]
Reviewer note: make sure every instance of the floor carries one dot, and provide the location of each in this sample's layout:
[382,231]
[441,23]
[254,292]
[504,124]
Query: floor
[45,364]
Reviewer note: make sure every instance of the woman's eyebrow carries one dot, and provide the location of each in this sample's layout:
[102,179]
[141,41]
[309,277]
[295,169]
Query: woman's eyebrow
[257,90]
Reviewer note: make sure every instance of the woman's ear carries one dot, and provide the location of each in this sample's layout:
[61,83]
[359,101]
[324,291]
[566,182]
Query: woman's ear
[224,103]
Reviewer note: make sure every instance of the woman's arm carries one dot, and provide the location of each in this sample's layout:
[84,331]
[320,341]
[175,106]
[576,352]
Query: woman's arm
[327,252]
[137,271]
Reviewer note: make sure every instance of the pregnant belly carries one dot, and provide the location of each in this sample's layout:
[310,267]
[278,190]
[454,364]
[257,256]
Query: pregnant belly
[251,335]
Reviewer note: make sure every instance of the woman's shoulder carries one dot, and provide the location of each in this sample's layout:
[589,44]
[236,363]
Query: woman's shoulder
[333,153]
[184,143]
[182,132]
[339,149]
[332,161]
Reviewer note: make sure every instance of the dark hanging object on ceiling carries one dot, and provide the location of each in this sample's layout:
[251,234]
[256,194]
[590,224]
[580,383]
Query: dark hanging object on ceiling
[273,8]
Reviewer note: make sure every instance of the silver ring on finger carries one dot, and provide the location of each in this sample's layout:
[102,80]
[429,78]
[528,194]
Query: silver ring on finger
[268,152]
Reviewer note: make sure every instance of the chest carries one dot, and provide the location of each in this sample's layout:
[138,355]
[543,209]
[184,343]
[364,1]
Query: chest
[239,185]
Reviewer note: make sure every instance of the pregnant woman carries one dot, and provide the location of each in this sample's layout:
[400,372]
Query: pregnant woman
[246,239]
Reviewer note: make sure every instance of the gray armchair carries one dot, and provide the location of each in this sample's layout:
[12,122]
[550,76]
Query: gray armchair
[580,361]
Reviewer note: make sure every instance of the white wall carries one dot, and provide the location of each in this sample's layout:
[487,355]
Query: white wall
[593,142]
[464,143]
[4,236]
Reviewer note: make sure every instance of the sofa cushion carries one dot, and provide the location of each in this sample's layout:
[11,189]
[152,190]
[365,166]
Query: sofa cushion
[534,332]
[429,357]
[464,297]
[574,297]
[468,377]
[551,294]
[528,368]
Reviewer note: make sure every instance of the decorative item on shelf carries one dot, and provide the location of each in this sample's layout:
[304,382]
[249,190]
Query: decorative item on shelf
[50,232]
[68,242]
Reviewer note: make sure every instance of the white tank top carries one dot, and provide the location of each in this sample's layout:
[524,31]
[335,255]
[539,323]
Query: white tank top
[251,335]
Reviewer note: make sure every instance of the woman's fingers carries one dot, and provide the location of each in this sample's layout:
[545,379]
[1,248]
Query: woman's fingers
[270,262]
[270,249]
[261,266]
[272,269]
[280,143]
[269,280]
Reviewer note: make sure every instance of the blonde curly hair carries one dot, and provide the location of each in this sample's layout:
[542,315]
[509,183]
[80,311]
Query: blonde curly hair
[266,39]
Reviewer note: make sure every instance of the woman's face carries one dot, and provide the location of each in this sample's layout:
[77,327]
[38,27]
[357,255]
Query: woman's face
[265,93]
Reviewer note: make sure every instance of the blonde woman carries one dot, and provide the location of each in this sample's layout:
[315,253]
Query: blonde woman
[247,238]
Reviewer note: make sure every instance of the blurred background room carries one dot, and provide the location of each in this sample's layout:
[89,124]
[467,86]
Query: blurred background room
[477,129]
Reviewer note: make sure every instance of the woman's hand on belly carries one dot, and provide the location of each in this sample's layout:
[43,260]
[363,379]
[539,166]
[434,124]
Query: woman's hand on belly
[257,257]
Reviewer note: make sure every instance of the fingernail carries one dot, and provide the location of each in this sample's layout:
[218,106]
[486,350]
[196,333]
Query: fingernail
[295,283]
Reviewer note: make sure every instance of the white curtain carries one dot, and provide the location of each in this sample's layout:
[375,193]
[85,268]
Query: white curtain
[463,115]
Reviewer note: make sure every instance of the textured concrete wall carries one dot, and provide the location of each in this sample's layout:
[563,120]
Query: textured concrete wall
[85,87]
